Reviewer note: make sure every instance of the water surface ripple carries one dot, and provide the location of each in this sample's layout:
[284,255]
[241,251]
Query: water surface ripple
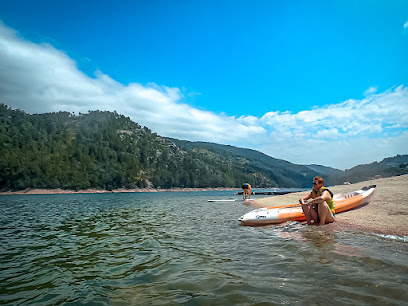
[174,248]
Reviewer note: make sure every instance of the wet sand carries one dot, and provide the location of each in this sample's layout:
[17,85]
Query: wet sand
[386,214]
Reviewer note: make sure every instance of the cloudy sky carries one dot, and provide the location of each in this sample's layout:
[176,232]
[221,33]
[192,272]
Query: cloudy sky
[321,82]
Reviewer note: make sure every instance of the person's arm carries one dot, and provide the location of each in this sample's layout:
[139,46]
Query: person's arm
[303,200]
[324,197]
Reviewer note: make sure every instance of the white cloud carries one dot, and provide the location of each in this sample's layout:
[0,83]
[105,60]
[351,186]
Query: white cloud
[39,78]
[370,90]
[406,24]
[372,116]
[343,134]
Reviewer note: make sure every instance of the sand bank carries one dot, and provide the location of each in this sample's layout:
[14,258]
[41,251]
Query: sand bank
[387,213]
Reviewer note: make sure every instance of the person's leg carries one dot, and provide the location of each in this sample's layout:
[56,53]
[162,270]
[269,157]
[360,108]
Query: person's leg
[315,216]
[325,214]
[245,194]
[307,212]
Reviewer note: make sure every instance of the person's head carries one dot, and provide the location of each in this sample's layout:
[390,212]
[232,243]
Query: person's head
[318,182]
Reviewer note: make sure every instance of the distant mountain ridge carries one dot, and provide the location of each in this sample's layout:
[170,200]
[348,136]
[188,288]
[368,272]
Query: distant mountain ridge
[323,170]
[390,166]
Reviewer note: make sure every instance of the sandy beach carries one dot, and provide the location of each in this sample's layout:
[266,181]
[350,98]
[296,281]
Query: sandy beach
[386,214]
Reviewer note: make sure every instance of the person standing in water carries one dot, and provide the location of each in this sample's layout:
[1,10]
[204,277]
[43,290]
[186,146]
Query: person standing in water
[246,191]
[317,205]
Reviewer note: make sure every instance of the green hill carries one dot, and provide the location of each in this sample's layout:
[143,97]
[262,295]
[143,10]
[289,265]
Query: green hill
[106,150]
[391,166]
[265,170]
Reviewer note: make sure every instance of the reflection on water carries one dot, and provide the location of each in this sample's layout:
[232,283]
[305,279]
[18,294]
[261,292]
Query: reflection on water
[175,248]
[348,250]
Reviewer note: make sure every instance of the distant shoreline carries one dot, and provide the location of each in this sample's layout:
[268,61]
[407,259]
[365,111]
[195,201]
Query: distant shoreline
[29,191]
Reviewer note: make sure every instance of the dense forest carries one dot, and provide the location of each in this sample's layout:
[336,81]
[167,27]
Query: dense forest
[106,150]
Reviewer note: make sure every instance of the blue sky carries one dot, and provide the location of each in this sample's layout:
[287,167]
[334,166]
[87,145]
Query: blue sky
[307,81]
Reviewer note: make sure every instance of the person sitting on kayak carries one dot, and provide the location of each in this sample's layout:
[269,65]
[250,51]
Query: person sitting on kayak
[317,205]
[247,191]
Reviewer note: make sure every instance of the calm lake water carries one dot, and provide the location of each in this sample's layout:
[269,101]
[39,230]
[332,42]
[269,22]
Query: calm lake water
[173,248]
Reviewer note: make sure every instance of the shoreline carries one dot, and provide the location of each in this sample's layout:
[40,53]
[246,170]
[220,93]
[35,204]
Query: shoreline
[30,191]
[386,214]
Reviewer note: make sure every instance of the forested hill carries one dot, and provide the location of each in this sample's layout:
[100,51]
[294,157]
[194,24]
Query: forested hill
[281,172]
[390,166]
[107,150]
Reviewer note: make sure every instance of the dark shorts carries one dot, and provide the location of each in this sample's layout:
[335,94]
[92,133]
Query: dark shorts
[316,208]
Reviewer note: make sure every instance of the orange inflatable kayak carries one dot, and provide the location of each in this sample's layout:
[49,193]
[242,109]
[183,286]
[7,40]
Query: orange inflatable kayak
[294,212]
